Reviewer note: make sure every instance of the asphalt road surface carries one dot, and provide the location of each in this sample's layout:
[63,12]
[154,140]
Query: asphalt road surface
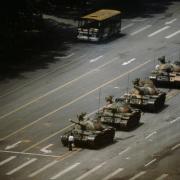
[35,110]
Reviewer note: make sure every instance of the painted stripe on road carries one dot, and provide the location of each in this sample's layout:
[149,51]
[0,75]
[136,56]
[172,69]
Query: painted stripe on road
[140,30]
[21,166]
[43,168]
[7,160]
[149,163]
[163,176]
[95,59]
[34,154]
[138,175]
[150,135]
[90,171]
[127,26]
[113,174]
[175,147]
[127,149]
[158,31]
[175,120]
[170,22]
[173,34]
[64,171]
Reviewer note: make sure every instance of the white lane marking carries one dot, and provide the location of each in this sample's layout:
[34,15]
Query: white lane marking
[116,87]
[127,26]
[34,154]
[138,175]
[43,168]
[64,57]
[175,147]
[173,121]
[150,134]
[140,30]
[13,145]
[162,177]
[113,174]
[149,163]
[64,171]
[57,89]
[7,160]
[127,149]
[173,34]
[21,166]
[95,59]
[170,22]
[138,20]
[158,31]
[71,102]
[90,171]
[45,149]
[128,62]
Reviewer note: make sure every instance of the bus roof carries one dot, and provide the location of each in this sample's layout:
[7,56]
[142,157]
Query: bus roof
[102,14]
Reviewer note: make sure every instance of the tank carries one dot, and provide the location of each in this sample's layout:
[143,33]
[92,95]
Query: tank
[89,133]
[119,114]
[145,96]
[166,73]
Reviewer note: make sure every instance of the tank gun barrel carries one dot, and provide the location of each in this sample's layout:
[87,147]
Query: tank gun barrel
[82,125]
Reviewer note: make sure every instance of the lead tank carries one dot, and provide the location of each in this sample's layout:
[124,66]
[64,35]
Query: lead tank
[89,133]
[145,96]
[119,114]
[166,73]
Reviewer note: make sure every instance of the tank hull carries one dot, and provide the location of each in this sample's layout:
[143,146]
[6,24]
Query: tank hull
[169,79]
[151,103]
[90,139]
[123,120]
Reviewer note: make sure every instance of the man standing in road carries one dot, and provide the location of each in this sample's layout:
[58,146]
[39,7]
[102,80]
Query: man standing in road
[70,141]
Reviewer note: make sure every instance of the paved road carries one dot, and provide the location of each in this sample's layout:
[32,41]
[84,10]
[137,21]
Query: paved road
[35,110]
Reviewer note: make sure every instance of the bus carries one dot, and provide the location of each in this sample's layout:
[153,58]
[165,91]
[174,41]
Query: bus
[99,25]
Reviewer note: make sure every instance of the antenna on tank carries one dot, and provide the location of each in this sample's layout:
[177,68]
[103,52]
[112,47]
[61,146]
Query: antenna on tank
[99,104]
[128,84]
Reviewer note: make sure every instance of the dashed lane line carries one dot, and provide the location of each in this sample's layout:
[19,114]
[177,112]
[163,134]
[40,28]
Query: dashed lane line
[140,30]
[113,174]
[149,163]
[127,26]
[43,168]
[170,22]
[175,120]
[65,171]
[124,151]
[7,160]
[147,137]
[21,166]
[138,175]
[175,147]
[90,171]
[173,34]
[96,59]
[163,176]
[77,99]
[158,31]
[57,89]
